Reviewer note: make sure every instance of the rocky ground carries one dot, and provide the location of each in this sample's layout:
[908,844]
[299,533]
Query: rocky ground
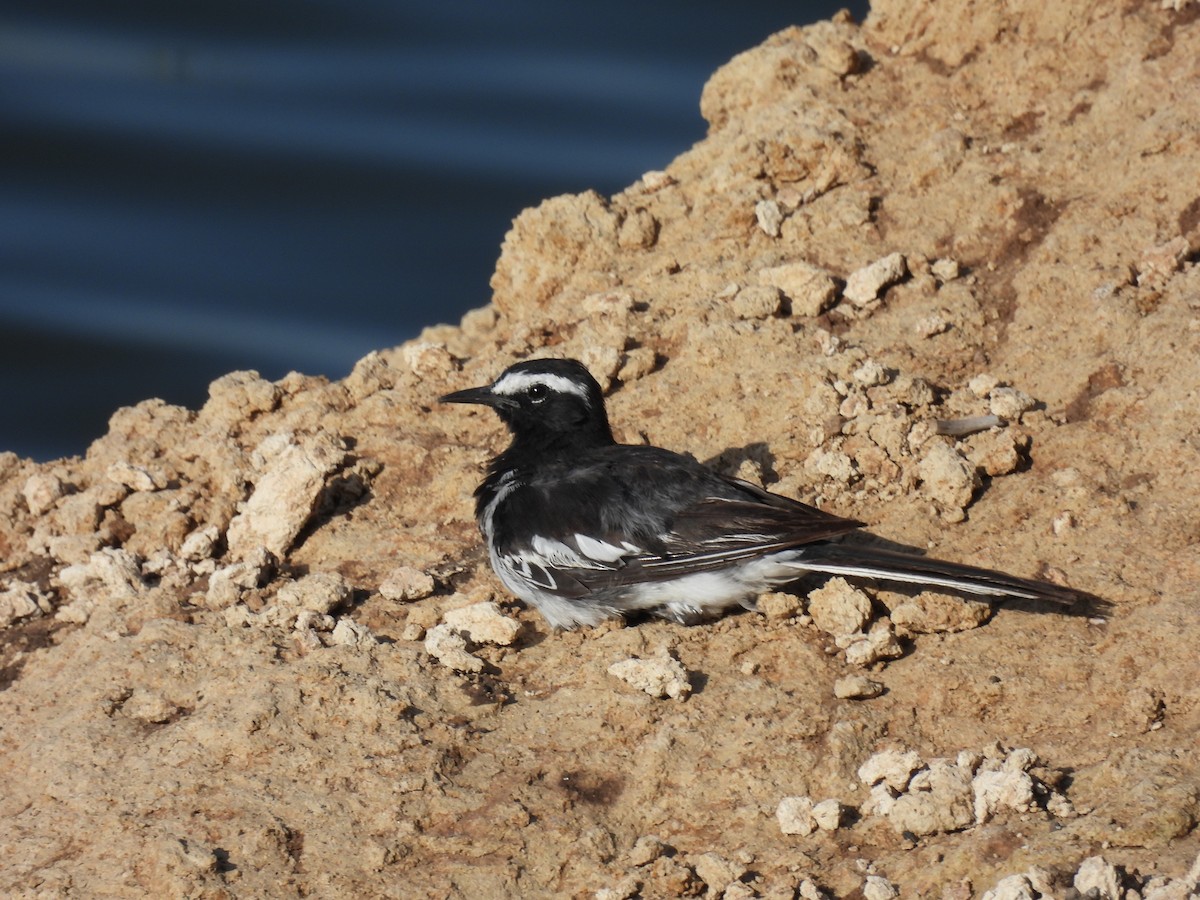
[255,650]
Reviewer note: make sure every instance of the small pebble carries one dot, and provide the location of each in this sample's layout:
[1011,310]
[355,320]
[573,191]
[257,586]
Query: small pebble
[769,217]
[661,677]
[405,583]
[865,285]
[795,816]
[856,687]
[483,623]
[945,269]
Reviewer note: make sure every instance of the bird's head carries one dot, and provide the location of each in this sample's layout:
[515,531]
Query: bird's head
[547,404]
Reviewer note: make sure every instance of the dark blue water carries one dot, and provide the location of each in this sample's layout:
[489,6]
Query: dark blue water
[190,188]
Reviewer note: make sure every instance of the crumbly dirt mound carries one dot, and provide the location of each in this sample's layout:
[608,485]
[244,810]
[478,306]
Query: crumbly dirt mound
[255,649]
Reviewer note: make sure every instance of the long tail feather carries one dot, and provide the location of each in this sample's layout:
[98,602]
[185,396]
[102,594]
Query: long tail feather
[889,565]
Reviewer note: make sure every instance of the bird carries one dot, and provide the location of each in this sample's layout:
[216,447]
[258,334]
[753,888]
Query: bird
[585,529]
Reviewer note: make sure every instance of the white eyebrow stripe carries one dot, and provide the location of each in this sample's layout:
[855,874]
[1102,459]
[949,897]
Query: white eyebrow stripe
[518,382]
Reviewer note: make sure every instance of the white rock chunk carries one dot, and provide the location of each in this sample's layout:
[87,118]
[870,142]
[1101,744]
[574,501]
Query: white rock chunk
[947,478]
[109,574]
[449,648]
[938,800]
[291,474]
[810,288]
[1014,887]
[1009,403]
[348,633]
[1096,877]
[769,216]
[878,644]
[405,583]
[839,608]
[200,543]
[20,601]
[892,767]
[856,687]
[661,677]
[483,623]
[865,285]
[136,478]
[795,816]
[317,592]
[876,887]
[828,815]
[41,490]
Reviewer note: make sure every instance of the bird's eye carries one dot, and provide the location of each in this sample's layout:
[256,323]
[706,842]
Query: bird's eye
[538,392]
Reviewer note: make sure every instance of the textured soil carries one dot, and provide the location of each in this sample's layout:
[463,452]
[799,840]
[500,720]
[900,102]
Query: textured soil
[224,670]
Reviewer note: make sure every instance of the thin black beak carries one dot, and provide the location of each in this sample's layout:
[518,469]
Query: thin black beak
[482,395]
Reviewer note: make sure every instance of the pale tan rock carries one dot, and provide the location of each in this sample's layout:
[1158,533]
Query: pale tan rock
[483,623]
[413,631]
[982,385]
[348,633]
[795,816]
[19,601]
[777,605]
[428,359]
[370,375]
[660,677]
[406,583]
[136,477]
[291,471]
[41,491]
[200,544]
[609,305]
[828,815]
[646,849]
[317,592]
[550,243]
[757,302]
[1009,403]
[891,767]
[626,888]
[149,706]
[866,284]
[638,231]
[717,872]
[832,464]
[769,217]
[945,269]
[947,478]
[239,395]
[639,362]
[1013,887]
[876,887]
[996,790]
[1097,877]
[1158,263]
[839,608]
[108,575]
[875,646]
[939,799]
[856,687]
[227,584]
[870,374]
[655,180]
[809,288]
[996,452]
[930,612]
[449,647]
